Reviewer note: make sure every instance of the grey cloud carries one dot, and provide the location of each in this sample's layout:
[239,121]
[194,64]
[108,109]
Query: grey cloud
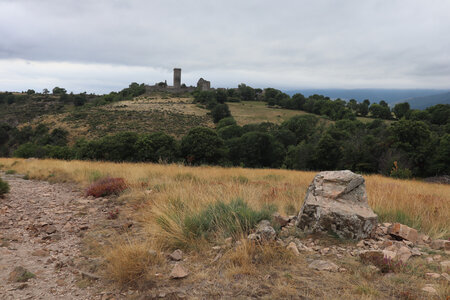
[292,44]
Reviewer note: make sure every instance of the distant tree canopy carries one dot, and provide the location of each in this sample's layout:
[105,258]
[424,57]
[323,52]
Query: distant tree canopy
[413,143]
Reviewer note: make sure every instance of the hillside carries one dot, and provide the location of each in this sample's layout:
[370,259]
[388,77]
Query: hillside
[391,96]
[427,101]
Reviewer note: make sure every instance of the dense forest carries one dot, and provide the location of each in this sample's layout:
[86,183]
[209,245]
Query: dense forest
[414,143]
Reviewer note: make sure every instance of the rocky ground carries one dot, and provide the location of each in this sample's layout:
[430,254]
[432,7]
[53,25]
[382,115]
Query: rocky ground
[41,228]
[46,230]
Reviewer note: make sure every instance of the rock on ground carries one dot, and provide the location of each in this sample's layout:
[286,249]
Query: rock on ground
[336,201]
[323,265]
[178,272]
[403,232]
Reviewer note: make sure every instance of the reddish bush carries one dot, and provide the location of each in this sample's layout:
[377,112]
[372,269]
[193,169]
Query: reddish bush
[106,186]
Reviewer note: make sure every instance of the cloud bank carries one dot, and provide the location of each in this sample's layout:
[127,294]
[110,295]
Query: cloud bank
[103,45]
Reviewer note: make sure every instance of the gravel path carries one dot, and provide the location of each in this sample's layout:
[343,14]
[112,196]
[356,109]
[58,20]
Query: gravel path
[41,226]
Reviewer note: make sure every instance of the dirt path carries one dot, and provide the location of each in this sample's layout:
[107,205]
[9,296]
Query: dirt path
[41,226]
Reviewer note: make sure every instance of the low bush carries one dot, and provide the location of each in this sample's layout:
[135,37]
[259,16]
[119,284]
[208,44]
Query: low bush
[232,218]
[106,186]
[4,188]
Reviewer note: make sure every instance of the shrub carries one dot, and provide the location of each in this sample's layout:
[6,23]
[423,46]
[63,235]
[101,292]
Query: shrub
[401,173]
[232,218]
[4,188]
[106,186]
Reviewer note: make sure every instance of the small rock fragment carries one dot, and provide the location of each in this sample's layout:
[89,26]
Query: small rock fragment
[432,275]
[279,219]
[445,265]
[440,245]
[229,241]
[293,248]
[403,232]
[265,231]
[429,289]
[178,272]
[323,265]
[176,255]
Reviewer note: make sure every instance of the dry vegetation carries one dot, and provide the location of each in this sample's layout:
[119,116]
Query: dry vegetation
[161,197]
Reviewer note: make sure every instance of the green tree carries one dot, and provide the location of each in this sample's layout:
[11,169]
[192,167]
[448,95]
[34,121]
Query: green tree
[379,111]
[59,91]
[328,153]
[219,112]
[202,146]
[302,126]
[401,109]
[259,149]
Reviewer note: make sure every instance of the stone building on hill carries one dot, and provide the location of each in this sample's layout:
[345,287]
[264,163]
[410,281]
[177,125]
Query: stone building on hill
[177,86]
[204,85]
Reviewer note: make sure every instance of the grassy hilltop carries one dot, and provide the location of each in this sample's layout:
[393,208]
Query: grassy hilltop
[166,204]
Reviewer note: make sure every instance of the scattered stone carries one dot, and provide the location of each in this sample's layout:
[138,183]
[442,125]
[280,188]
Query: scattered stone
[440,245]
[293,248]
[60,282]
[445,265]
[323,265]
[423,239]
[50,229]
[40,252]
[403,254]
[415,252]
[253,237]
[178,272]
[229,241]
[374,268]
[446,276]
[176,255]
[432,275]
[429,288]
[336,201]
[20,274]
[429,259]
[403,232]
[88,275]
[281,220]
[265,231]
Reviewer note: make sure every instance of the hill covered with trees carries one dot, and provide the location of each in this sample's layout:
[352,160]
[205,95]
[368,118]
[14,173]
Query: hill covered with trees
[329,136]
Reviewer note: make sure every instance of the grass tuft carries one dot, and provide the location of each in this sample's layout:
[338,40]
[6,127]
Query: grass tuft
[4,188]
[131,263]
[228,219]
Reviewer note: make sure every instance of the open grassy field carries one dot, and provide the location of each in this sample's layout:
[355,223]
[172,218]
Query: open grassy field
[161,198]
[247,112]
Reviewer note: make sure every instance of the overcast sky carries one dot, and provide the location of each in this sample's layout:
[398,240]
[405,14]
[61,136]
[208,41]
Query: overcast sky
[103,45]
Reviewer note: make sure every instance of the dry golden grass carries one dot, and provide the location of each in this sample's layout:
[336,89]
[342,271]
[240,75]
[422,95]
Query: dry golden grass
[150,103]
[172,192]
[423,205]
[131,263]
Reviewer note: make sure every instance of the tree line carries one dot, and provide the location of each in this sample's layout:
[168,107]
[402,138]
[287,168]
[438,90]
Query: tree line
[417,144]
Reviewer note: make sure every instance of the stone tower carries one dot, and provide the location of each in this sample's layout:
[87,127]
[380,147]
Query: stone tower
[177,78]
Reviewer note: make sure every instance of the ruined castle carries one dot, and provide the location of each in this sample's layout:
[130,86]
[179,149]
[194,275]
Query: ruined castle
[177,87]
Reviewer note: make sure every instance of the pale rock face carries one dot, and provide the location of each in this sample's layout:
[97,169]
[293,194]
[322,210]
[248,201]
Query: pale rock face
[336,201]
[323,265]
